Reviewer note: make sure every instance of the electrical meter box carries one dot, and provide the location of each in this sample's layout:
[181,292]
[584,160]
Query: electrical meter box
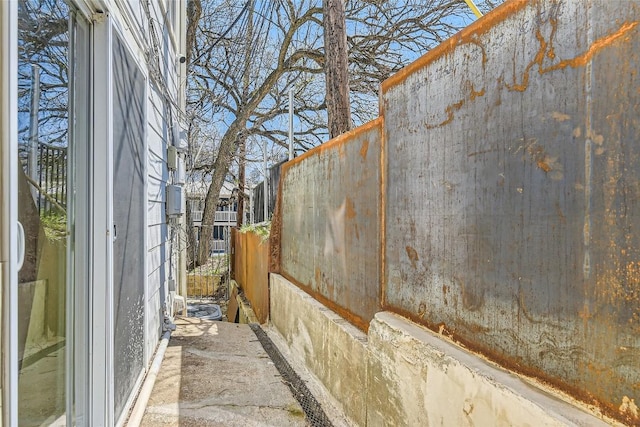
[172,157]
[174,200]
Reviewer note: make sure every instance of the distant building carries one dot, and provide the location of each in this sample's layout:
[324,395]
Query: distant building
[226,214]
[272,194]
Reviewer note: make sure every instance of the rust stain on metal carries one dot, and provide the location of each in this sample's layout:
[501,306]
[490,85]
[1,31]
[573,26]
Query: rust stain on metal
[595,138]
[352,218]
[474,40]
[364,149]
[251,268]
[601,43]
[546,49]
[450,110]
[542,164]
[577,132]
[538,59]
[585,315]
[275,235]
[350,209]
[332,143]
[545,162]
[342,151]
[468,35]
[477,93]
[453,108]
[560,117]
[413,256]
[348,315]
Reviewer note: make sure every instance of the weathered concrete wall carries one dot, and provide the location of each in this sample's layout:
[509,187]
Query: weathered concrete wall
[330,235]
[403,374]
[333,350]
[512,195]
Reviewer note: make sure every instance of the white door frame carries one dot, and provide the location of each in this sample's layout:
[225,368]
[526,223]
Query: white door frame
[77,367]
[101,396]
[9,207]
[98,401]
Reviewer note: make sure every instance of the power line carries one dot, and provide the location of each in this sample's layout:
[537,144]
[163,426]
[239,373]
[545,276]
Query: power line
[244,9]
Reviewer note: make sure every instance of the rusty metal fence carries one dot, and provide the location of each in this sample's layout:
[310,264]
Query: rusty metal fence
[496,201]
[250,269]
[329,228]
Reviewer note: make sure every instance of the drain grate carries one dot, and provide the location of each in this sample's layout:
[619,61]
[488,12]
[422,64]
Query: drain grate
[314,412]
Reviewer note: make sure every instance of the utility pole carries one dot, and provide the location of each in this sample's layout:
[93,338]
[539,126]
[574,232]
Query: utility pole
[242,149]
[265,186]
[336,67]
[290,124]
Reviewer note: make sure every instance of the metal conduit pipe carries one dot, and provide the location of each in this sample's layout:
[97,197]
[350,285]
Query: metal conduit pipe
[473,8]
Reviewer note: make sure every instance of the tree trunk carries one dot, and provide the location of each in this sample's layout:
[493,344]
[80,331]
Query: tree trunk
[229,144]
[194,11]
[228,148]
[241,181]
[336,67]
[242,161]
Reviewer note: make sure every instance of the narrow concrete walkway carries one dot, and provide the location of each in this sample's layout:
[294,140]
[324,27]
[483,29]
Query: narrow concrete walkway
[218,374]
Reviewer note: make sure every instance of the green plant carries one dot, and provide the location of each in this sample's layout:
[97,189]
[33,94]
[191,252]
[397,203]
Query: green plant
[54,225]
[262,229]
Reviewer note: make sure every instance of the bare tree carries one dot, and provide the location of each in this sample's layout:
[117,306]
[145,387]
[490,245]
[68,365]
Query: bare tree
[238,84]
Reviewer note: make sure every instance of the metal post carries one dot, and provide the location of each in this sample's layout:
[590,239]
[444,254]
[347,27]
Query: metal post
[251,214]
[265,186]
[32,159]
[290,124]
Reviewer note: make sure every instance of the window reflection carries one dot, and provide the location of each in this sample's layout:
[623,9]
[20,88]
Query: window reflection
[43,119]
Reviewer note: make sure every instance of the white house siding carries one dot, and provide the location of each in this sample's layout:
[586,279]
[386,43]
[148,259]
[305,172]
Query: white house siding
[158,245]
[162,118]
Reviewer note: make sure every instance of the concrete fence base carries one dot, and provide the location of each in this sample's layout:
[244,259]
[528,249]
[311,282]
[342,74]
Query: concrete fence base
[403,374]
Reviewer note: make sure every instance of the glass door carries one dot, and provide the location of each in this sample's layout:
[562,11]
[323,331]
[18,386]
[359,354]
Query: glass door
[52,139]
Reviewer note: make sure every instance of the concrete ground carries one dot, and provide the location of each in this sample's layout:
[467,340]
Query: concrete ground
[218,374]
